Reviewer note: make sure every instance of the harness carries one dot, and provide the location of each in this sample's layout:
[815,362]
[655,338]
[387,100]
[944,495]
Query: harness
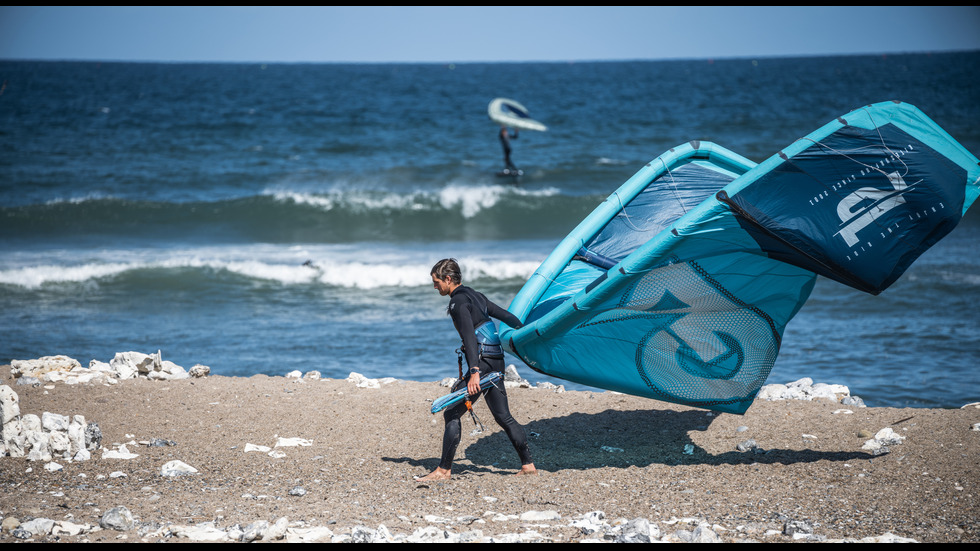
[488,341]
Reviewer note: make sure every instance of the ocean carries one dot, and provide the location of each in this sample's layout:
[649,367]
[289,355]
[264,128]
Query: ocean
[265,218]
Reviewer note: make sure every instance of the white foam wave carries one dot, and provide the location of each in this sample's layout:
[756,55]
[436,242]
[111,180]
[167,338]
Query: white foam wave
[357,200]
[467,199]
[32,277]
[93,196]
[371,276]
[319,201]
[472,199]
[355,274]
[608,161]
[475,268]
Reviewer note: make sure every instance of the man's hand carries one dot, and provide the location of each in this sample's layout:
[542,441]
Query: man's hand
[473,386]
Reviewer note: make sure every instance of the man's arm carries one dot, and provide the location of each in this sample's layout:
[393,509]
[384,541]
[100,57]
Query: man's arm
[503,315]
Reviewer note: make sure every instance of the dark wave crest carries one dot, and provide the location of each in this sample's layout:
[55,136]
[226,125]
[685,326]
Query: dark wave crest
[463,213]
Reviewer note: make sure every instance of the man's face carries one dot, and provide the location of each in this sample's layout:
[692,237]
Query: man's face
[441,285]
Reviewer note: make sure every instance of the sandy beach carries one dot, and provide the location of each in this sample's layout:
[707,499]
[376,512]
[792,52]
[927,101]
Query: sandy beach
[683,470]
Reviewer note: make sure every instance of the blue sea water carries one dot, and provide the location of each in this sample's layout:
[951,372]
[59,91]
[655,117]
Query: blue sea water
[174,207]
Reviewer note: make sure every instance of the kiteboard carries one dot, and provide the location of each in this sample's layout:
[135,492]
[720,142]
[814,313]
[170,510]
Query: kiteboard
[492,379]
[509,173]
[507,112]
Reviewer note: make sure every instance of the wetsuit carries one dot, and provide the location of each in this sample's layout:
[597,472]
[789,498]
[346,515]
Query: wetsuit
[505,143]
[470,309]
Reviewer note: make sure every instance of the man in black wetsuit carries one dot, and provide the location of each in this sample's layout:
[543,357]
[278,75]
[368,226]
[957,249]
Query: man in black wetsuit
[470,312]
[505,143]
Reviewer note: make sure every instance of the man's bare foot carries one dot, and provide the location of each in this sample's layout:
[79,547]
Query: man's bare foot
[527,469]
[438,474]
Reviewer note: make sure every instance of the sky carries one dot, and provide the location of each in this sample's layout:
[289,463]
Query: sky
[432,34]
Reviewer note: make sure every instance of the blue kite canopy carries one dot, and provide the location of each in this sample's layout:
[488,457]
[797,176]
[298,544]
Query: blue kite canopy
[679,286]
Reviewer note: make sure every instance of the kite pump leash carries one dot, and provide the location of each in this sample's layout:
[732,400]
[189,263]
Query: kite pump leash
[469,404]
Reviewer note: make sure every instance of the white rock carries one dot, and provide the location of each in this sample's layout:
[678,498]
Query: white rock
[884,438]
[168,371]
[292,442]
[176,468]
[803,389]
[704,534]
[14,439]
[590,523]
[295,374]
[52,422]
[430,534]
[771,392]
[529,516]
[512,379]
[82,455]
[205,531]
[256,448]
[824,391]
[118,518]
[277,530]
[306,535]
[199,371]
[66,528]
[801,383]
[888,437]
[59,444]
[31,423]
[363,382]
[37,442]
[363,534]
[887,537]
[121,453]
[102,367]
[128,365]
[76,433]
[52,467]
[9,405]
[637,530]
[38,526]
[39,367]
[254,531]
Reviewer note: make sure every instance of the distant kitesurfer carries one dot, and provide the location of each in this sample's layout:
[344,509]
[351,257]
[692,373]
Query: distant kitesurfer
[505,143]
[470,312]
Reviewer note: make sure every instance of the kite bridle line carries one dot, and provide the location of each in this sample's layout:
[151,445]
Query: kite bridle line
[881,140]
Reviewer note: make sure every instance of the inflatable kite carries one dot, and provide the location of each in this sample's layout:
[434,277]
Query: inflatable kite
[679,286]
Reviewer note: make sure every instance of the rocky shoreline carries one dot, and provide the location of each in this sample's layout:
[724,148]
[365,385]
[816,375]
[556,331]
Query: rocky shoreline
[136,450]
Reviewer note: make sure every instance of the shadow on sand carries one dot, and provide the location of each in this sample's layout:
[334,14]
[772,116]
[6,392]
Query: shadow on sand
[615,438]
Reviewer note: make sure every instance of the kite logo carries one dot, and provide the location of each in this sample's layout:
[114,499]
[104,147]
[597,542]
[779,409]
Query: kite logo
[856,212]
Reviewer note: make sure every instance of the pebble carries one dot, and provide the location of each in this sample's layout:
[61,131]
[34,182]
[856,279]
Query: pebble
[118,518]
